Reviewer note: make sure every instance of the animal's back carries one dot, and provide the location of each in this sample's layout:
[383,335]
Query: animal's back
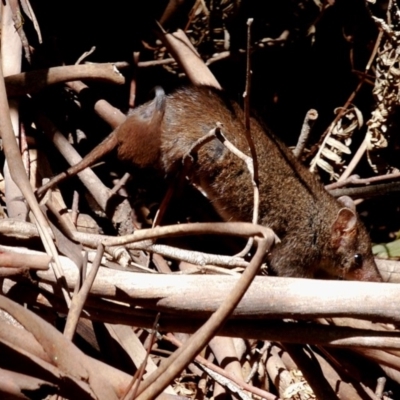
[317,232]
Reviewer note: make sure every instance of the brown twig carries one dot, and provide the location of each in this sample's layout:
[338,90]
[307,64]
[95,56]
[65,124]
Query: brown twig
[101,107]
[110,114]
[101,194]
[243,229]
[167,198]
[131,394]
[78,301]
[34,81]
[133,82]
[88,177]
[382,189]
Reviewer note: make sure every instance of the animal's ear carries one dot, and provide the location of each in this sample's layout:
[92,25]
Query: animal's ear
[347,202]
[344,227]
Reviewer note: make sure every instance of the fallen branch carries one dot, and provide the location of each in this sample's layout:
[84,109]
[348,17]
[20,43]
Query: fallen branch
[34,81]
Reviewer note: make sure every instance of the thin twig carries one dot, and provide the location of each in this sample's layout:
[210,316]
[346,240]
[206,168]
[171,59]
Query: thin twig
[380,387]
[356,180]
[155,63]
[75,208]
[78,301]
[243,229]
[120,184]
[133,82]
[34,81]
[254,161]
[354,161]
[85,55]
[26,230]
[309,120]
[140,372]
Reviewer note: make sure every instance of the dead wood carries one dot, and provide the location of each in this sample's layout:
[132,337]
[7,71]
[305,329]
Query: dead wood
[117,295]
[33,82]
[303,298]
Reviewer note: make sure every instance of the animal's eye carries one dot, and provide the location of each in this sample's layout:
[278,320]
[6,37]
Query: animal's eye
[358,260]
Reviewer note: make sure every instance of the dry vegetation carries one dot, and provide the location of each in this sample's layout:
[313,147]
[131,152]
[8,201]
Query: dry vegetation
[111,285]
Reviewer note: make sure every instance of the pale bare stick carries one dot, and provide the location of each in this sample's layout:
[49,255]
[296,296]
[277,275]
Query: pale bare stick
[309,120]
[261,318]
[34,81]
[253,169]
[9,259]
[304,299]
[101,107]
[229,228]
[155,63]
[78,300]
[354,161]
[356,180]
[19,176]
[191,256]
[26,230]
[178,44]
[11,51]
[86,54]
